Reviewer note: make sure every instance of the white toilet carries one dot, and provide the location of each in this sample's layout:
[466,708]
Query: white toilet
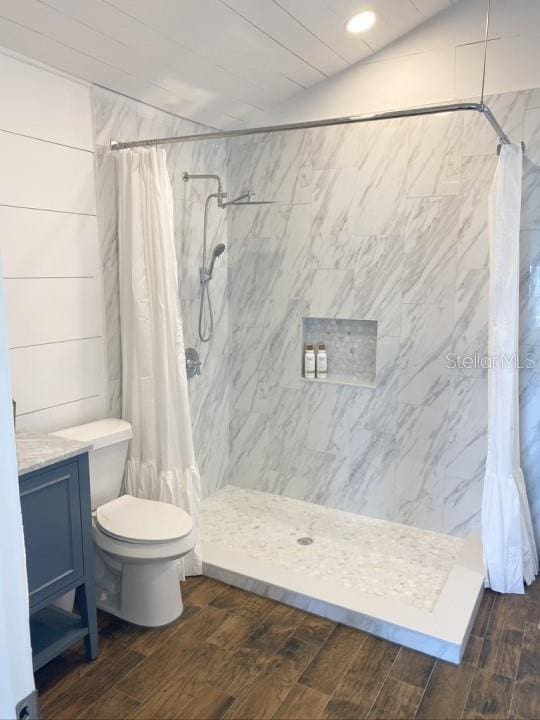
[137,542]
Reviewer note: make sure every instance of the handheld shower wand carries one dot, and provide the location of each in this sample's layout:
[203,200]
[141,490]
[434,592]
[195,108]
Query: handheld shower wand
[206,329]
[216,252]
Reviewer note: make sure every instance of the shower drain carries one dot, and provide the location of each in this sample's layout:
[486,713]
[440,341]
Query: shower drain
[305,541]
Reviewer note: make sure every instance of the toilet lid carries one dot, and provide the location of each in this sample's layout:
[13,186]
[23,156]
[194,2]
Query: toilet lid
[137,520]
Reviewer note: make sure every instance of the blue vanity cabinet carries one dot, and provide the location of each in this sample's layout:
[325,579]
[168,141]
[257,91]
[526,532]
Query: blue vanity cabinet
[55,504]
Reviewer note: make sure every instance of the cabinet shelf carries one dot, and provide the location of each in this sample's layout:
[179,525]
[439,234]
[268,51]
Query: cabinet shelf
[53,630]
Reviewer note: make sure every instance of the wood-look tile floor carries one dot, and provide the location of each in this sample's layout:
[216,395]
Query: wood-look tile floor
[237,655]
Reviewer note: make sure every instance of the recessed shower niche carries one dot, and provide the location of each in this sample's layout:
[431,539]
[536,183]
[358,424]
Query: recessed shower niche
[351,347]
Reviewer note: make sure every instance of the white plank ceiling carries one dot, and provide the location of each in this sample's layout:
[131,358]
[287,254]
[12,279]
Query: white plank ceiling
[214,61]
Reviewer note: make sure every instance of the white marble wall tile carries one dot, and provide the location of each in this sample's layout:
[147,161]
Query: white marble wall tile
[467,428]
[462,505]
[115,398]
[275,166]
[434,155]
[331,293]
[381,163]
[249,443]
[290,416]
[430,250]
[269,267]
[285,342]
[252,381]
[420,465]
[370,488]
[337,146]
[333,225]
[327,417]
[425,343]
[376,408]
[530,205]
[470,333]
[108,237]
[477,177]
[378,282]
[115,117]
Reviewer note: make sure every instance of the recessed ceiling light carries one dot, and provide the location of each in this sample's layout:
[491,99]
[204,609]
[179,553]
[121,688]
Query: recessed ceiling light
[361,22]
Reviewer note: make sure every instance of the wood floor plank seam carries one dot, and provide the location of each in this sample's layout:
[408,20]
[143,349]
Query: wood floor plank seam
[382,684]
[425,688]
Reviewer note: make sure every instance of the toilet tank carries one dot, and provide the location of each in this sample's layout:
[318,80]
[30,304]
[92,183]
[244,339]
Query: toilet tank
[107,459]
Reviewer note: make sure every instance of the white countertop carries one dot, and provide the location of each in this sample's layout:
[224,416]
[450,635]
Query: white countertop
[38,450]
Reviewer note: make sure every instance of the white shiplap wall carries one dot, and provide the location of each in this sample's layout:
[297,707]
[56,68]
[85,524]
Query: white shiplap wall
[49,247]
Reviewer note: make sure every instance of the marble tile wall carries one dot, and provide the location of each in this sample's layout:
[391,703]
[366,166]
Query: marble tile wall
[384,222]
[120,118]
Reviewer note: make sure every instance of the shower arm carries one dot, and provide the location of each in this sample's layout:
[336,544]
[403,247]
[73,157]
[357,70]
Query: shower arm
[220,195]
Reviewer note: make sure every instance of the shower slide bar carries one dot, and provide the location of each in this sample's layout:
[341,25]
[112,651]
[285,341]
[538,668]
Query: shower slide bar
[481,108]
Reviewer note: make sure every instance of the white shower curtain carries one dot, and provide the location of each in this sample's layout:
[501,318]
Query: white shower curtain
[161,463]
[510,554]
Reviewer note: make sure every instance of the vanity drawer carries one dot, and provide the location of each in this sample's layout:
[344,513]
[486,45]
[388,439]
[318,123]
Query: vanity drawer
[50,503]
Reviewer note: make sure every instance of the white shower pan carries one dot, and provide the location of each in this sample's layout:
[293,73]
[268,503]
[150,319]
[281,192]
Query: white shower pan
[418,588]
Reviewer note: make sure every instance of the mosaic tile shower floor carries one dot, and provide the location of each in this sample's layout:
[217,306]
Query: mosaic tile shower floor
[376,556]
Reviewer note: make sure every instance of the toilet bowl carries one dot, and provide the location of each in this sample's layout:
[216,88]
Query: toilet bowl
[137,542]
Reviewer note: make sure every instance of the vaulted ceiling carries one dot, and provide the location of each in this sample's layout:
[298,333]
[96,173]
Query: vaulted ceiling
[215,61]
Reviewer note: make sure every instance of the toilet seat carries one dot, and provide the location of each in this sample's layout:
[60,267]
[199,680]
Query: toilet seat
[135,520]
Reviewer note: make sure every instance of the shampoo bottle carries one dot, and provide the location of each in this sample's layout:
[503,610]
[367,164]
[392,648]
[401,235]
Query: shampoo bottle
[322,362]
[309,363]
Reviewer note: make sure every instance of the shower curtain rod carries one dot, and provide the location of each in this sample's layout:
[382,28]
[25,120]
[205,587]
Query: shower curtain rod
[345,120]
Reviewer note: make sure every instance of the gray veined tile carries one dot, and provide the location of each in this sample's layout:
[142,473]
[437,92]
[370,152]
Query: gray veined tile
[327,417]
[420,465]
[378,282]
[434,155]
[531,135]
[426,332]
[467,428]
[375,409]
[115,116]
[530,204]
[470,334]
[333,242]
[473,241]
[336,146]
[370,487]
[115,398]
[252,382]
[274,166]
[430,250]
[249,443]
[331,293]
[380,184]
[462,505]
[285,342]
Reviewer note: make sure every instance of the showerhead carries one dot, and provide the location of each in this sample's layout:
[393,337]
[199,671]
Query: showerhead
[216,252]
[248,199]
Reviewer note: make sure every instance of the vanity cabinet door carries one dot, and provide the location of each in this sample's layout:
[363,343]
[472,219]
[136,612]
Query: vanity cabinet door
[52,530]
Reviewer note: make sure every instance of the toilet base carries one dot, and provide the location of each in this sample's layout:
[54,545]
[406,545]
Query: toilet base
[145,594]
[151,594]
